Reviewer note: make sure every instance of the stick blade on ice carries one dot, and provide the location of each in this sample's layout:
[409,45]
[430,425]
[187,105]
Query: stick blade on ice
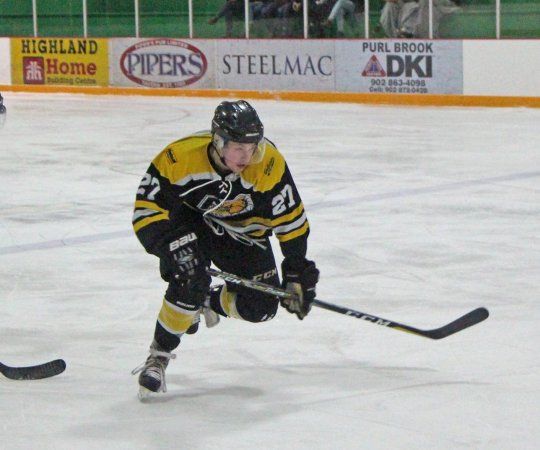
[37,372]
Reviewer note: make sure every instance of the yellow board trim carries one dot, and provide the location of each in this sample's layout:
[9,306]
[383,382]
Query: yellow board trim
[341,97]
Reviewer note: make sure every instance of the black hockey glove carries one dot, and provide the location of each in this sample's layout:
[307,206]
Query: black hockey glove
[180,256]
[300,277]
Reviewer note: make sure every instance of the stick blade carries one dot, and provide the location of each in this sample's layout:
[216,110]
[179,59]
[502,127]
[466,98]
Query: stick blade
[468,320]
[40,371]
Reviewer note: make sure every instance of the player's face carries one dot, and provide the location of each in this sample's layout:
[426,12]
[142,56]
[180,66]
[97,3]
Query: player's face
[237,155]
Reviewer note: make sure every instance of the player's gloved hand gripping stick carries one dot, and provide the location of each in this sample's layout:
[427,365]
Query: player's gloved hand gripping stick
[300,278]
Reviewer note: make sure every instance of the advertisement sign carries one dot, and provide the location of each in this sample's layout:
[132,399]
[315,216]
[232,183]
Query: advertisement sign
[276,65]
[5,68]
[400,66]
[162,63]
[59,61]
[486,70]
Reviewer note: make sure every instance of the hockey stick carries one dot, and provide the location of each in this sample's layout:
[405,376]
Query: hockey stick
[45,370]
[468,320]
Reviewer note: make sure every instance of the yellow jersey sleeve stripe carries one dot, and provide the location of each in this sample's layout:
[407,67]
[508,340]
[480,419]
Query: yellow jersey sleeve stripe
[288,217]
[294,234]
[142,223]
[149,205]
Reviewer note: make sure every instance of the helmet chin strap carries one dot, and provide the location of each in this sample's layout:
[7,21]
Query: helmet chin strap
[219,144]
[218,157]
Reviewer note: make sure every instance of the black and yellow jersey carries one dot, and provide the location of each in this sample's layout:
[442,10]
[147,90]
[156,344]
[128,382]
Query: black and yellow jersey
[249,206]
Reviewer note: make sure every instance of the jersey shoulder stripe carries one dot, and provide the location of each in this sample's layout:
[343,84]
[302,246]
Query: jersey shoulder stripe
[185,159]
[265,175]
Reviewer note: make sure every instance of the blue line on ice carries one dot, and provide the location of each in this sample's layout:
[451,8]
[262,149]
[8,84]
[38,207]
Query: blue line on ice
[324,204]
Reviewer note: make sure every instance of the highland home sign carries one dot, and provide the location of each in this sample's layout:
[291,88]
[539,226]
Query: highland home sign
[60,61]
[59,46]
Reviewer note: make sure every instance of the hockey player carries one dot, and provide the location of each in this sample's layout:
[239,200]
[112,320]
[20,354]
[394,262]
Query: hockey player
[2,111]
[216,197]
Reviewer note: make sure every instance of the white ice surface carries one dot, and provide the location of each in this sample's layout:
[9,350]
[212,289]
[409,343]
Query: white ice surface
[418,215]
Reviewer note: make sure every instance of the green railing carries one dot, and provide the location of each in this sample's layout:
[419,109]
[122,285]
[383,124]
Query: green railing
[189,18]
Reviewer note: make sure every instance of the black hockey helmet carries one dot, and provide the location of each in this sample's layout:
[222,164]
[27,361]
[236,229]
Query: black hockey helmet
[237,121]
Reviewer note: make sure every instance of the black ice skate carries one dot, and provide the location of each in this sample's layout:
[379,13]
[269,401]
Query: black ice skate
[152,377]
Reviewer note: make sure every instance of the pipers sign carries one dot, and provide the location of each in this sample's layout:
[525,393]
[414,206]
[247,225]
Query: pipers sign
[163,63]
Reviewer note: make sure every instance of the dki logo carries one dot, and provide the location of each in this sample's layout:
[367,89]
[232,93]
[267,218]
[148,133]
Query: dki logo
[421,66]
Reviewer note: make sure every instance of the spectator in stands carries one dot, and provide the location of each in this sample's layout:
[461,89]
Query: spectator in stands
[297,6]
[274,13]
[257,8]
[394,15]
[318,11]
[233,9]
[342,9]
[410,18]
[291,14]
[441,8]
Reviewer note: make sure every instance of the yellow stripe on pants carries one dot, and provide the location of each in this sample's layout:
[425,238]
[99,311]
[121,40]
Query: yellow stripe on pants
[228,303]
[174,319]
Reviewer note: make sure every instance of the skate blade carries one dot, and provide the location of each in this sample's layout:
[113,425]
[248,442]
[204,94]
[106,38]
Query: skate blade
[144,394]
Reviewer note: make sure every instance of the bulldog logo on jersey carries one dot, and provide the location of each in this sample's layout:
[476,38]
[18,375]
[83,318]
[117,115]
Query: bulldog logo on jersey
[240,204]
